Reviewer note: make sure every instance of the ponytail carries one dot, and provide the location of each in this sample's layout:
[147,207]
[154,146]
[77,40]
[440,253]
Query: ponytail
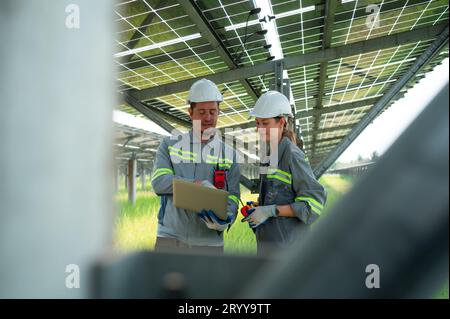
[289,134]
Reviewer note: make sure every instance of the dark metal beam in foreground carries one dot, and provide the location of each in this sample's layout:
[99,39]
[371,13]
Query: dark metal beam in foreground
[420,34]
[420,62]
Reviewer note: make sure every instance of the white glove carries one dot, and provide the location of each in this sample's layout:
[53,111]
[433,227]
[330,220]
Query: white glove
[260,214]
[213,222]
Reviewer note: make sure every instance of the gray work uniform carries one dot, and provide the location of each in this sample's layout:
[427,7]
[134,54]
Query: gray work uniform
[293,183]
[192,160]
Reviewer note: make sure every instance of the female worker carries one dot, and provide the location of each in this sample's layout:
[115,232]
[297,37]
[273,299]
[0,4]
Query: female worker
[290,197]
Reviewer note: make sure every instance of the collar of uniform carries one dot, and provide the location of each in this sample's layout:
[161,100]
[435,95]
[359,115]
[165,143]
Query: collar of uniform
[284,143]
[198,141]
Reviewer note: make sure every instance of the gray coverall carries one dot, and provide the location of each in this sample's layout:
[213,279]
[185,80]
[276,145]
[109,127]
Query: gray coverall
[192,160]
[293,183]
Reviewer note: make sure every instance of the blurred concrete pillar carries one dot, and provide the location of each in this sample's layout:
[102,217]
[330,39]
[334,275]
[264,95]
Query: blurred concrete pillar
[56,84]
[125,176]
[132,180]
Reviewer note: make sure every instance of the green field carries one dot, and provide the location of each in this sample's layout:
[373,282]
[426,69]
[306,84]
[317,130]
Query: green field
[136,225]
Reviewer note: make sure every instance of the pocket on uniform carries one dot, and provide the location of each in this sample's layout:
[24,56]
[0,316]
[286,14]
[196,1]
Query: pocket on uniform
[285,193]
[271,194]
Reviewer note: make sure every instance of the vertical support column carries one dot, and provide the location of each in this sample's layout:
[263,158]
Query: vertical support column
[116,179]
[282,85]
[149,173]
[54,226]
[278,72]
[132,163]
[125,176]
[143,178]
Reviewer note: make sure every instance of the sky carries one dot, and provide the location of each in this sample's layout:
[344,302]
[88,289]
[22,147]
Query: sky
[378,136]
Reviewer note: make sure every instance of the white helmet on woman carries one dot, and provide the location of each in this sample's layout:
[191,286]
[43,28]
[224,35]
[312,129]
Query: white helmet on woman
[272,104]
[204,91]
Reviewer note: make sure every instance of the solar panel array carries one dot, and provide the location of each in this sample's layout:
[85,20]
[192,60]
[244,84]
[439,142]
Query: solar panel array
[158,43]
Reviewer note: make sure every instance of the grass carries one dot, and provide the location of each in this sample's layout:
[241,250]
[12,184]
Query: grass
[443,293]
[135,227]
[240,239]
[336,186]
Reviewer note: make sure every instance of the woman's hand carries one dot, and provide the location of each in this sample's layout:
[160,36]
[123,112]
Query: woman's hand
[247,207]
[258,215]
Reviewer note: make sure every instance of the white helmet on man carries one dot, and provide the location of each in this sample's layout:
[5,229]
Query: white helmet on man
[272,104]
[204,91]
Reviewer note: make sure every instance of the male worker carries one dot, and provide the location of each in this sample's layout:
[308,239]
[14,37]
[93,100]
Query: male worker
[197,159]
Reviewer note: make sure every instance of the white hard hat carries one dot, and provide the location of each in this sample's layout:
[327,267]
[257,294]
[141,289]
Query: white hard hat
[272,104]
[204,91]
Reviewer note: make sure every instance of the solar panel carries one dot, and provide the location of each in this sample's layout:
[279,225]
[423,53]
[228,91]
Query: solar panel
[159,43]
